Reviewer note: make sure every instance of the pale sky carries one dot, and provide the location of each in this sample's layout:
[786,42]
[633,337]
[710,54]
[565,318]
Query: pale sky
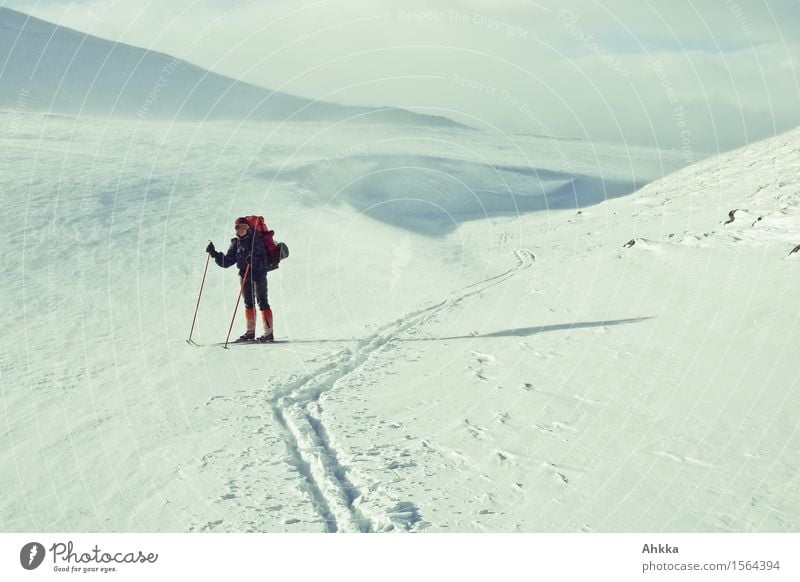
[699,75]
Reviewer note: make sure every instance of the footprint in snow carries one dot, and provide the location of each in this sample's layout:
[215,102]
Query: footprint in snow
[558,473]
[502,417]
[483,361]
[479,375]
[213,398]
[211,525]
[505,457]
[484,358]
[398,465]
[476,431]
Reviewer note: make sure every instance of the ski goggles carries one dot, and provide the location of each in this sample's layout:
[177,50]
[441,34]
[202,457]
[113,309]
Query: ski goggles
[242,226]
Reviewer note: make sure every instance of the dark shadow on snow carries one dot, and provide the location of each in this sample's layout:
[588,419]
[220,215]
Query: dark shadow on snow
[528,331]
[514,332]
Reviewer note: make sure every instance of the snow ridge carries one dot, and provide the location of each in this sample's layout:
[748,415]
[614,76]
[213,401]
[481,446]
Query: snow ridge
[298,412]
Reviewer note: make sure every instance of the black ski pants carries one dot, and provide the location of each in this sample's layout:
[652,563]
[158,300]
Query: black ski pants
[256,287]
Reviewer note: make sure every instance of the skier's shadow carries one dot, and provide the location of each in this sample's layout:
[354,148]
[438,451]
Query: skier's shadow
[514,332]
[528,331]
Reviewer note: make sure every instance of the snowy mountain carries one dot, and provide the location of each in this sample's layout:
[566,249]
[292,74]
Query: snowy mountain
[458,354]
[45,67]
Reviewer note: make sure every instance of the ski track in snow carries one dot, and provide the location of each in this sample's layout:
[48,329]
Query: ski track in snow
[297,411]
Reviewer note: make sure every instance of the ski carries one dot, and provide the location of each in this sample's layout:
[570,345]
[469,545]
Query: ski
[231,344]
[253,342]
[238,343]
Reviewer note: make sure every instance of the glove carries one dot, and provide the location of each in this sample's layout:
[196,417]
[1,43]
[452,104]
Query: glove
[211,250]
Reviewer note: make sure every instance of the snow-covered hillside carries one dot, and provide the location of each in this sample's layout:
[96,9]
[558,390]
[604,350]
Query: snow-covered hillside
[50,68]
[460,355]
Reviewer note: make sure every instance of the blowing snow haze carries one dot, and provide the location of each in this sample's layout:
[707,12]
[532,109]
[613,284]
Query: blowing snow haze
[58,70]
[696,76]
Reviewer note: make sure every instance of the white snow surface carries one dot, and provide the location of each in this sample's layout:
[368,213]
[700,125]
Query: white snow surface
[462,350]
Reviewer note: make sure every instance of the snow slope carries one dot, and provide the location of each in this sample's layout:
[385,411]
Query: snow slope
[54,69]
[599,387]
[488,370]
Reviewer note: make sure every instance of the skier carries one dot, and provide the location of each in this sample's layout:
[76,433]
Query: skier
[246,249]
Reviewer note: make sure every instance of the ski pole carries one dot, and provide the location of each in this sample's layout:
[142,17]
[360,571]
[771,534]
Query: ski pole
[235,309]
[202,283]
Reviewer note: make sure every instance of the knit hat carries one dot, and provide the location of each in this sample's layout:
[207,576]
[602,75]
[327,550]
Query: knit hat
[241,220]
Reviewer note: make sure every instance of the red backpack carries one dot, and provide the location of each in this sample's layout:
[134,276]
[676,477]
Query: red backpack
[275,251]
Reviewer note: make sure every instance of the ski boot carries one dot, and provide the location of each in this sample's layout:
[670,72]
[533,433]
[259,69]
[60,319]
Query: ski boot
[250,318]
[266,317]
